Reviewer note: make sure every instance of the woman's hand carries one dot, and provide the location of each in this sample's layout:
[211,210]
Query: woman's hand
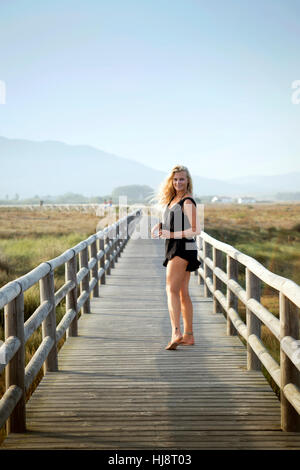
[164,234]
[156,231]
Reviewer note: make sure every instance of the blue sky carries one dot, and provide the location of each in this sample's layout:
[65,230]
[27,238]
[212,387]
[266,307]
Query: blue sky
[202,83]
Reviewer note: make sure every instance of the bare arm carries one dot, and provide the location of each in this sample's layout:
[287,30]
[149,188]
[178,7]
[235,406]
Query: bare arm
[190,211]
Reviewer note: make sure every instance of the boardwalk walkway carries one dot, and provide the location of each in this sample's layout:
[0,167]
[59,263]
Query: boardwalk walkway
[118,388]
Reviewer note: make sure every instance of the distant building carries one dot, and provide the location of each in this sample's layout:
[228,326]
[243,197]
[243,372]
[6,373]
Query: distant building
[223,199]
[246,200]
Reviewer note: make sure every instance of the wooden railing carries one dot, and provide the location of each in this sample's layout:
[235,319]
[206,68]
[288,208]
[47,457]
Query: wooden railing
[97,255]
[285,328]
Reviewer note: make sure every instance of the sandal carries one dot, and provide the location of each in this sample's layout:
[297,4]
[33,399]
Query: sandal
[187,343]
[174,344]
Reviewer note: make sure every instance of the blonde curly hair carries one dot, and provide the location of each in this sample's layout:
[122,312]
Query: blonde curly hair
[166,190]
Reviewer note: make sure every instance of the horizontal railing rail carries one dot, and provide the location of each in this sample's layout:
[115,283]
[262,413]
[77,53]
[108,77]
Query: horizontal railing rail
[97,255]
[285,328]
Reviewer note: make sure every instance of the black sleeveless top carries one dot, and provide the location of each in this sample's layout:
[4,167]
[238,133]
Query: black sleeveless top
[175,220]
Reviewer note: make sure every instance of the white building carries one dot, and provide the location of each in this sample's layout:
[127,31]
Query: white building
[223,199]
[246,200]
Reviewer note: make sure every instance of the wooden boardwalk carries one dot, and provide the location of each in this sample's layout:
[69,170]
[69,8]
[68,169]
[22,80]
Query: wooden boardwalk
[118,388]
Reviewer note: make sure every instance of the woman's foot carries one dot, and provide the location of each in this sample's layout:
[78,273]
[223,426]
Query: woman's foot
[187,340]
[175,341]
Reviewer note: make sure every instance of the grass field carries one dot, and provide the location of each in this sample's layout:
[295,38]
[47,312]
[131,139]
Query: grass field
[269,233]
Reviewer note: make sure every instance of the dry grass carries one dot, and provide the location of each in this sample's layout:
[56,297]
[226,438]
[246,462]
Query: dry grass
[269,233]
[30,237]
[42,221]
[260,216]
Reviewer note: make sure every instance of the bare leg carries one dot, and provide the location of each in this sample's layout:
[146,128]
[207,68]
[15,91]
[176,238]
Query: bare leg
[187,310]
[174,278]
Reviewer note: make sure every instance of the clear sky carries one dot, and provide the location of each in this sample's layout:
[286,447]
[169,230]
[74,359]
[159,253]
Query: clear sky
[202,83]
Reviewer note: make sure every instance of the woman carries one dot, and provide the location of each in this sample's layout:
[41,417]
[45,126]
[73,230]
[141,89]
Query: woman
[180,224]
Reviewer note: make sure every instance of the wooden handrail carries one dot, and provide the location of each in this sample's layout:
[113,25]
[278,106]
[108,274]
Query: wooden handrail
[289,288]
[93,269]
[285,329]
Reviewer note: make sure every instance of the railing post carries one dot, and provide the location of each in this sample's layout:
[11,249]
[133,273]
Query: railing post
[289,326]
[232,300]
[217,260]
[124,233]
[102,260]
[205,269]
[71,297]
[15,369]
[112,247]
[199,243]
[117,244]
[95,268]
[253,323]
[84,285]
[49,324]
[120,237]
[128,227]
[107,255]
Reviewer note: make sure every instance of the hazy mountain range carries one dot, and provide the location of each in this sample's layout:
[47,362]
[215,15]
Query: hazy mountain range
[29,168]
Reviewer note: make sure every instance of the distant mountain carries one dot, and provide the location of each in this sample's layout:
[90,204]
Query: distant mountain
[31,168]
[50,167]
